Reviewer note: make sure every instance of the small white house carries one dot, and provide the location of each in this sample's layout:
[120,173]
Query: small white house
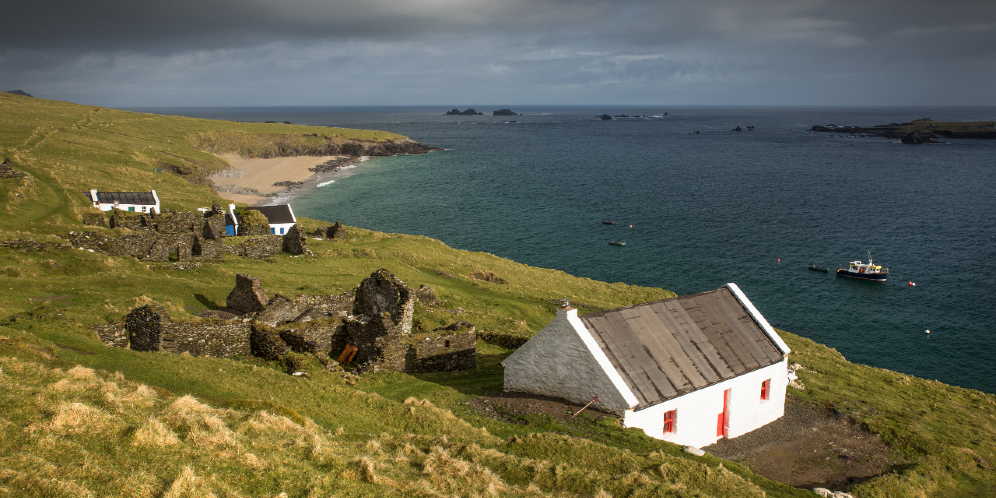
[140,202]
[689,370]
[280,218]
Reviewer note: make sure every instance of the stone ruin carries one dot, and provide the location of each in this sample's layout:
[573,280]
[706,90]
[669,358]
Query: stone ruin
[374,324]
[184,236]
[7,170]
[334,232]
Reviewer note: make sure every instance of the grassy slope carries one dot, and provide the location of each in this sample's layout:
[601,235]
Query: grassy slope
[388,442]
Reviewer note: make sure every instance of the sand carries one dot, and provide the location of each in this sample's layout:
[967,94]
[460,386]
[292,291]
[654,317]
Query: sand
[261,174]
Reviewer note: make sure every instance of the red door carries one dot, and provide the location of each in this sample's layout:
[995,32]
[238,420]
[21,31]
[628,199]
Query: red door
[723,420]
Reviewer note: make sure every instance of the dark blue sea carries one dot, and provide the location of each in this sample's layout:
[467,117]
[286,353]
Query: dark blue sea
[754,207]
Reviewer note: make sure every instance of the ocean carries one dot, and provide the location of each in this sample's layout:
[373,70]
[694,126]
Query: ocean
[698,210]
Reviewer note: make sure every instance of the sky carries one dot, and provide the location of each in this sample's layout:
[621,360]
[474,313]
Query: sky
[454,53]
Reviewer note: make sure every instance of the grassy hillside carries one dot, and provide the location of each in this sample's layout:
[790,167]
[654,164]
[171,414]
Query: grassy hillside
[80,419]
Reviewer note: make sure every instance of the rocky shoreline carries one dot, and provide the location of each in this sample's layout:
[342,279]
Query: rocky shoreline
[919,131]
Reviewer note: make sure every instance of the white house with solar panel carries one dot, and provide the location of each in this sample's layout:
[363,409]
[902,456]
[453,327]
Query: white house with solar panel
[690,369]
[139,202]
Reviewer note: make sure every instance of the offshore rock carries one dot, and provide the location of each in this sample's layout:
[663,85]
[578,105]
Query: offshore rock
[504,112]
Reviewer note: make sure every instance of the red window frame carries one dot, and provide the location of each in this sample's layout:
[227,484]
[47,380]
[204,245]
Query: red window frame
[766,389]
[671,421]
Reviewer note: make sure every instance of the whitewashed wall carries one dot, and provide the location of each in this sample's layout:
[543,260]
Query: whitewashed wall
[698,411]
[557,362]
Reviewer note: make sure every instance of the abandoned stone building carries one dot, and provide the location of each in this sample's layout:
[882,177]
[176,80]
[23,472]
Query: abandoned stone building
[181,236]
[372,327]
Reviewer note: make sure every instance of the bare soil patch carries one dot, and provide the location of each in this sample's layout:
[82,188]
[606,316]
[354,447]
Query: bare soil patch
[505,405]
[806,448]
[809,448]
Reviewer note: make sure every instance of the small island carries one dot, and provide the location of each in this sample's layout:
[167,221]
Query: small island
[468,112]
[918,131]
[504,112]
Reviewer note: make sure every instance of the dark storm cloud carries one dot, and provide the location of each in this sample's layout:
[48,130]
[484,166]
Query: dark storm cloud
[769,51]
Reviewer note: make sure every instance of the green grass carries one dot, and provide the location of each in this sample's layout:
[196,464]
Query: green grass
[251,430]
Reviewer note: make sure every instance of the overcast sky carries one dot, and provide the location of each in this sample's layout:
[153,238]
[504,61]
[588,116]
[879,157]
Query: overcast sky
[126,53]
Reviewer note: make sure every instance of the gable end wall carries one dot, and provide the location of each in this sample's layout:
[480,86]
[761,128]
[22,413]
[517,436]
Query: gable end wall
[556,362]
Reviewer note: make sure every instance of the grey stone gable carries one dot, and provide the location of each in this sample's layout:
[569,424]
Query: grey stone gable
[668,348]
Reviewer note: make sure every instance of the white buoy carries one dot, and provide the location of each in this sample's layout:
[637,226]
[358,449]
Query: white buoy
[927,331]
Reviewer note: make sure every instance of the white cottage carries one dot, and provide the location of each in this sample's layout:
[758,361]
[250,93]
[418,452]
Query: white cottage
[140,202]
[689,370]
[280,218]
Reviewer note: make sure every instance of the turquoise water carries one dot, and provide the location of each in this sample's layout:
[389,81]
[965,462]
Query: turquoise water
[707,209]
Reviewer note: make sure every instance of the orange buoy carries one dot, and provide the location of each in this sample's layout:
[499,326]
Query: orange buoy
[779,260]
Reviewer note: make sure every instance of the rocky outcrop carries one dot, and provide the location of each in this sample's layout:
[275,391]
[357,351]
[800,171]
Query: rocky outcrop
[504,112]
[918,137]
[248,295]
[468,112]
[605,117]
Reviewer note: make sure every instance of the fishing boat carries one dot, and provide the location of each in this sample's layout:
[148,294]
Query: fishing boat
[616,243]
[819,268]
[864,271]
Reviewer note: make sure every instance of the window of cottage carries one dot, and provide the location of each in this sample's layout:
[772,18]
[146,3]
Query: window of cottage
[765,389]
[670,421]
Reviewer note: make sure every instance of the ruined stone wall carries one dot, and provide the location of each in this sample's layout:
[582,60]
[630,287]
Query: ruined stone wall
[150,328]
[248,295]
[131,221]
[207,249]
[313,337]
[265,342]
[112,334]
[442,354]
[295,242]
[145,326]
[178,222]
[214,225]
[260,247]
[94,218]
[215,338]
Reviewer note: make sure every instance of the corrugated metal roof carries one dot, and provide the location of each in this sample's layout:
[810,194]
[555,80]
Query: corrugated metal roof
[136,198]
[668,348]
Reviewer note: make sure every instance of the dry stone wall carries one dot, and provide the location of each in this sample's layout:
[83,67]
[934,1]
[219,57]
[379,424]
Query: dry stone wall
[151,329]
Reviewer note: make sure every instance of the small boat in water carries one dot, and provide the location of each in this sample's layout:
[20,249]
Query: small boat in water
[607,222]
[616,243]
[819,268]
[864,271]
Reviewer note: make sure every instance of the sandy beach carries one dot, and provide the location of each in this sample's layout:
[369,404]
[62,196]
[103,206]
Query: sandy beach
[261,174]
